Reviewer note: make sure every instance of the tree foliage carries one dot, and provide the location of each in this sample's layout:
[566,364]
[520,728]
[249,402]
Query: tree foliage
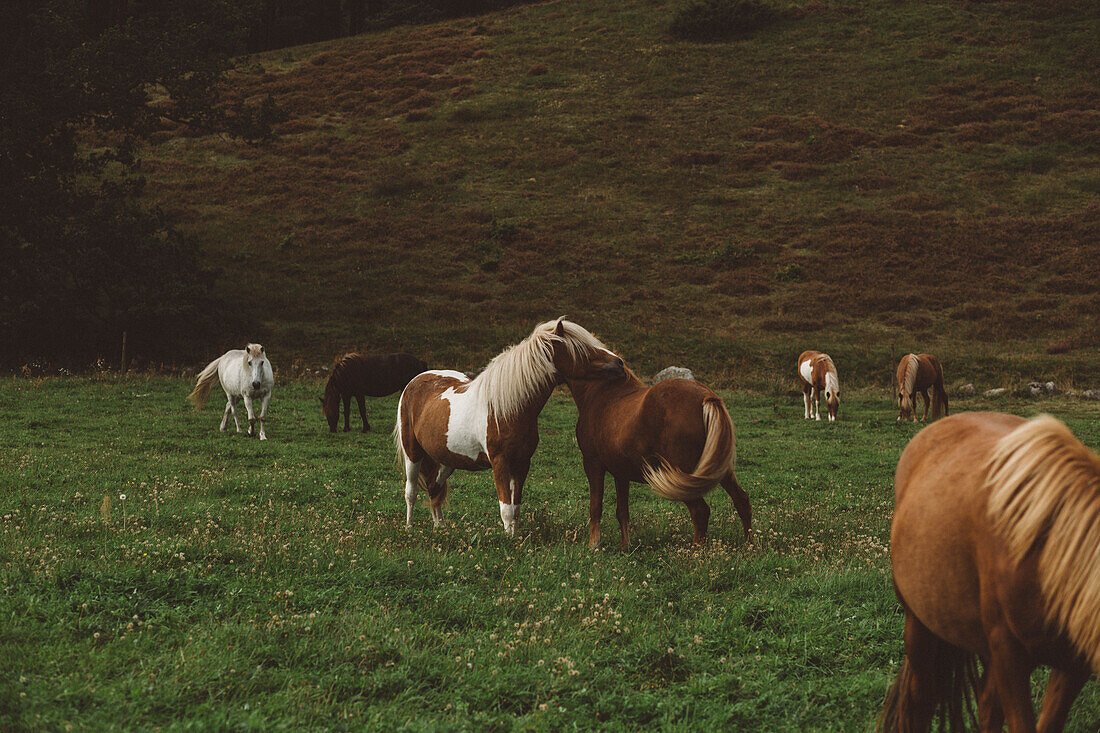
[81,85]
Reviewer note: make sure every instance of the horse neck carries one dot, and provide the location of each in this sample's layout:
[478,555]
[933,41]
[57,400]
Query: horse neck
[531,407]
[587,393]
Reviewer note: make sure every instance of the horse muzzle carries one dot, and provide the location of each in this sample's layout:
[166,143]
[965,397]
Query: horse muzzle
[255,386]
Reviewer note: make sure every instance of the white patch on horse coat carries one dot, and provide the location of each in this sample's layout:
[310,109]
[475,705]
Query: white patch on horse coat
[467,423]
[806,370]
[508,516]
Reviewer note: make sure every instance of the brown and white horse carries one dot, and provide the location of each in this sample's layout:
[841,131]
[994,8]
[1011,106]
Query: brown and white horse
[918,373]
[818,376]
[676,436]
[445,420]
[995,546]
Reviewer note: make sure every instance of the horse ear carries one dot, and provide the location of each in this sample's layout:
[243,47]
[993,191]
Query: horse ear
[559,330]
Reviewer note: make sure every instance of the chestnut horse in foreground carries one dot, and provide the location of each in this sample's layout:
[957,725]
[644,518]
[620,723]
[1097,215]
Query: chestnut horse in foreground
[817,373]
[675,436]
[918,373]
[995,546]
[445,420]
[358,376]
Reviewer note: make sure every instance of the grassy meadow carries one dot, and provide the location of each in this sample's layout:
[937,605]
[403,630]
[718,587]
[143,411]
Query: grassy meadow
[157,574]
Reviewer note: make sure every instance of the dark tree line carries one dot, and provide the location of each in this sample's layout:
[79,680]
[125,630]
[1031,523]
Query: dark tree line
[82,261]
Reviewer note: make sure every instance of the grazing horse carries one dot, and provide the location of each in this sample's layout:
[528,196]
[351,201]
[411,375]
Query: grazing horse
[445,420]
[245,374]
[675,436]
[916,373]
[994,546]
[358,376]
[818,375]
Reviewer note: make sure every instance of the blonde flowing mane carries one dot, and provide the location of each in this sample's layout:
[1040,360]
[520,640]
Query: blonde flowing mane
[1044,492]
[910,379]
[519,372]
[831,380]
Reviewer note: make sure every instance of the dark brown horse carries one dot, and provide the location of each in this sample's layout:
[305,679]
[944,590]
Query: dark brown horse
[358,376]
[995,546]
[446,420]
[676,436]
[919,373]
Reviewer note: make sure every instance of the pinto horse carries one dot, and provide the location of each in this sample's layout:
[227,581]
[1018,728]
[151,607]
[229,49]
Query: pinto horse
[358,376]
[675,436]
[918,373]
[245,375]
[445,420]
[817,373]
[994,546]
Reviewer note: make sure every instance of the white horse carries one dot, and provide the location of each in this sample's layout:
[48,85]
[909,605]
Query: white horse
[244,374]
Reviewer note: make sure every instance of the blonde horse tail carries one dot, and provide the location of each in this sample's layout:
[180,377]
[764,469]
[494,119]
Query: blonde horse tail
[716,460]
[207,378]
[1042,488]
[949,694]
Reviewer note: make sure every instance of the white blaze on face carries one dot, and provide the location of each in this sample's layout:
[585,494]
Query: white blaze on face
[806,370]
[468,422]
[508,517]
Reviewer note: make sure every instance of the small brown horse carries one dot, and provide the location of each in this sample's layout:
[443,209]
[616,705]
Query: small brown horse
[918,373]
[358,376]
[817,373]
[445,420]
[676,436]
[994,546]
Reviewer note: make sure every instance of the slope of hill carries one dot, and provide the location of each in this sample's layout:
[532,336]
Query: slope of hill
[866,178]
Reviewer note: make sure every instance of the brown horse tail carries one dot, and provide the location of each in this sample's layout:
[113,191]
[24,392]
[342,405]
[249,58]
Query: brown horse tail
[939,400]
[207,378]
[717,459]
[952,696]
[1044,494]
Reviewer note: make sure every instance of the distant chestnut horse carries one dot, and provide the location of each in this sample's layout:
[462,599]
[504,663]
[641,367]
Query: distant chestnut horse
[817,373]
[918,373]
[358,376]
[995,546]
[445,420]
[675,436]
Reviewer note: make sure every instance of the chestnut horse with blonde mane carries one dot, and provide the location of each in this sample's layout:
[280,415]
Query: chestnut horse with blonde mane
[995,546]
[817,373]
[445,420]
[918,373]
[676,436]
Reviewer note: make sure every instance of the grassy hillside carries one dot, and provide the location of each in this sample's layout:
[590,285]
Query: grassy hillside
[865,177]
[155,573]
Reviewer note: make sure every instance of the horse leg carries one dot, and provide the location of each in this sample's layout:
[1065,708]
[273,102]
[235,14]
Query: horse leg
[412,474]
[437,493]
[740,502]
[263,415]
[815,403]
[594,470]
[622,510]
[806,400]
[508,475]
[225,416]
[363,412]
[1010,679]
[347,412]
[924,396]
[700,519]
[233,409]
[991,716]
[1062,690]
[917,680]
[251,415]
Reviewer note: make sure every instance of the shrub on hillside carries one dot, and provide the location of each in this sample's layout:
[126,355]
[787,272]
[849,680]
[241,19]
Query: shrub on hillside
[716,20]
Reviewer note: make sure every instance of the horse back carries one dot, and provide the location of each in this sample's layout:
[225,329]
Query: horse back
[929,371]
[672,419]
[381,375]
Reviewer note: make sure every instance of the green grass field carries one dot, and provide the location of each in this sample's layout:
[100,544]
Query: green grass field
[251,585]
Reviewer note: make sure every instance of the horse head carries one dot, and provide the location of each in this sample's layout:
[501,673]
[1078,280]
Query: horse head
[330,406]
[256,358]
[905,405]
[579,356]
[832,401]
